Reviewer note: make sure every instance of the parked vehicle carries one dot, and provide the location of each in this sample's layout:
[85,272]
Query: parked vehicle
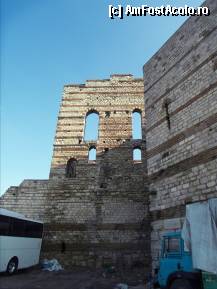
[176,270]
[191,264]
[20,241]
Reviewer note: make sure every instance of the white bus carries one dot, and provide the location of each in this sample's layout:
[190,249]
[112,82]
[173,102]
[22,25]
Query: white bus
[20,241]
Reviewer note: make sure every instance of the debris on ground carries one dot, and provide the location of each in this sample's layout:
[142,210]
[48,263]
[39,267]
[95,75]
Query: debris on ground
[76,278]
[121,286]
[51,265]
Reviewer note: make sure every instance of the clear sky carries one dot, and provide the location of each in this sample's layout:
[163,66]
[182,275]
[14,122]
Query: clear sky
[48,43]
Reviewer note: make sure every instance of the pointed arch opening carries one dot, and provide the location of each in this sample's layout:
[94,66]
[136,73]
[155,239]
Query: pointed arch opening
[91,130]
[71,168]
[137,124]
[137,154]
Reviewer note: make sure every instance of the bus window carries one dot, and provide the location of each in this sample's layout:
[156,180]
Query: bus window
[33,230]
[18,228]
[4,225]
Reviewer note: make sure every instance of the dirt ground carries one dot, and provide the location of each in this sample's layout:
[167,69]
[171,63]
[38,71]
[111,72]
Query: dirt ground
[78,278]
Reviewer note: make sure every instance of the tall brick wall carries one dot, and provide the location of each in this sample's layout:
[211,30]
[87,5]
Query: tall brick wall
[101,215]
[181,112]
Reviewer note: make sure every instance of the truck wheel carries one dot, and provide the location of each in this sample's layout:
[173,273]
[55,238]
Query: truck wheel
[12,266]
[181,284]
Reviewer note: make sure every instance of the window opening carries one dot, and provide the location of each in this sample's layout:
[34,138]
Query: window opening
[92,154]
[137,154]
[166,107]
[71,168]
[137,124]
[91,126]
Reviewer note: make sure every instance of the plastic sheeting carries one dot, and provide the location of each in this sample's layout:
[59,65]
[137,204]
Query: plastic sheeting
[200,234]
[51,265]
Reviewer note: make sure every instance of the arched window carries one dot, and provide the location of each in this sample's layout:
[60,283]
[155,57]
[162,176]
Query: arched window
[137,124]
[137,154]
[91,126]
[92,154]
[71,168]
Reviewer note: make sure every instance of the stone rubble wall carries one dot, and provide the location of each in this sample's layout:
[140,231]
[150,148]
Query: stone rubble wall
[29,199]
[101,216]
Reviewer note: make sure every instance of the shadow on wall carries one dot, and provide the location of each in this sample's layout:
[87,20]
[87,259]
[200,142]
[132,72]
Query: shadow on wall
[99,209]
[125,162]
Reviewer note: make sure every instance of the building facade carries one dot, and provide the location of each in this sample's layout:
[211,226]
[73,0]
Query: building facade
[181,114]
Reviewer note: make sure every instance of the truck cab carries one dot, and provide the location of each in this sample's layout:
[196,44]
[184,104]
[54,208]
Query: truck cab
[176,270]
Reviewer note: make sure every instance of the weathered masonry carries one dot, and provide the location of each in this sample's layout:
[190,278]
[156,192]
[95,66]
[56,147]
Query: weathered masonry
[94,204]
[181,112]
[99,200]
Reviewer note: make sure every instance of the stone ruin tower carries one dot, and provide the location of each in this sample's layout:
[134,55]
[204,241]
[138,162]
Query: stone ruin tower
[95,211]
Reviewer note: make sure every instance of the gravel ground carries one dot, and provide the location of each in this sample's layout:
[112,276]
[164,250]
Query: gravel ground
[35,278]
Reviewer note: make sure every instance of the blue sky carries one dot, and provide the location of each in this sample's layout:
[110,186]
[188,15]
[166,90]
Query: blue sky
[48,43]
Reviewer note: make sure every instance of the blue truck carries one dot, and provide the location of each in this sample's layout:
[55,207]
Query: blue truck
[176,269]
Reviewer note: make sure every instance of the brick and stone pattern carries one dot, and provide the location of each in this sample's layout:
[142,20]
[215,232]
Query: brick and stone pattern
[181,113]
[101,215]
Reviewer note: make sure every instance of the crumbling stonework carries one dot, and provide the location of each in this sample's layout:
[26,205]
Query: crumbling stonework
[181,112]
[101,214]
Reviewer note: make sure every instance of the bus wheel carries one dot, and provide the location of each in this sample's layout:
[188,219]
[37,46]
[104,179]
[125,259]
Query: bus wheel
[12,266]
[181,284]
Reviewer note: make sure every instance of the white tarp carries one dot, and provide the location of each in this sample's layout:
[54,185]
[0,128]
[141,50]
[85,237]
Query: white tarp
[51,265]
[200,234]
